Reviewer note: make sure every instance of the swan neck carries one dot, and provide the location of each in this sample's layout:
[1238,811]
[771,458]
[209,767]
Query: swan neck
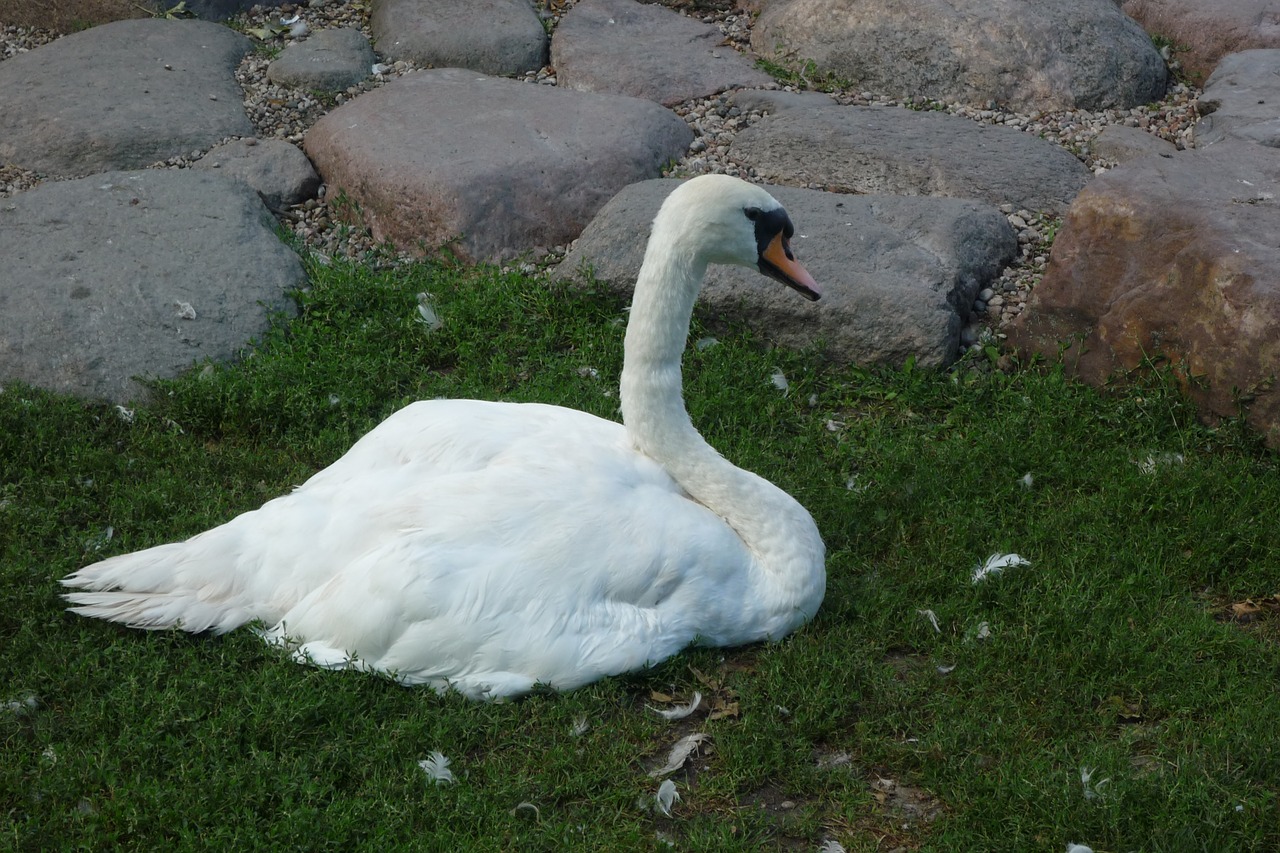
[787,549]
[651,392]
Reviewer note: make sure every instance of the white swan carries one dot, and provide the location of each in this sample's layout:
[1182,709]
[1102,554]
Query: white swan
[490,547]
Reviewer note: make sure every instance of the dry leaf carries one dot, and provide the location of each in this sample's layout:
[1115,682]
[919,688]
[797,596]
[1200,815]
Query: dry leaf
[721,709]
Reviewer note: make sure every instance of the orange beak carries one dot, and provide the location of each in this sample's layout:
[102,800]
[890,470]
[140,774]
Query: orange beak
[777,262]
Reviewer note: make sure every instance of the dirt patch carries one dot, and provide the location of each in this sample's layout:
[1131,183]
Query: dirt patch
[69,16]
[1259,616]
[906,663]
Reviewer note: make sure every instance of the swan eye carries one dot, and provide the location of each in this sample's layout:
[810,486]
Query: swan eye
[753,213]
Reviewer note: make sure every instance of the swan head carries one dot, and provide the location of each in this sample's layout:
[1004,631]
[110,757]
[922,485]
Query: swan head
[725,220]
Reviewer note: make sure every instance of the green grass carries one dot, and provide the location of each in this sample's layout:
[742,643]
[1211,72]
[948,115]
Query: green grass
[1111,651]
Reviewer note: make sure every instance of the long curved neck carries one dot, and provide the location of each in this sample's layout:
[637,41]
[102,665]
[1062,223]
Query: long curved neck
[773,526]
[651,391]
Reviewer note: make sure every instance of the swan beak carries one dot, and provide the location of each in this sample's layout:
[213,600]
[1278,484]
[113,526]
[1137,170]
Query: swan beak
[777,262]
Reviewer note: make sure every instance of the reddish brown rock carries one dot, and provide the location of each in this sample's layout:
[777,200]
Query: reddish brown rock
[1173,258]
[1203,32]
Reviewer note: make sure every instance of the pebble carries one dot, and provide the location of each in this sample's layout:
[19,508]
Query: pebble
[287,114]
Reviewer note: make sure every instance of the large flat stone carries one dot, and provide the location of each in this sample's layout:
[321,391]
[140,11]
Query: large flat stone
[135,274]
[1242,99]
[898,275]
[491,167]
[646,51]
[892,151]
[1025,54]
[122,96]
[1172,258]
[502,37]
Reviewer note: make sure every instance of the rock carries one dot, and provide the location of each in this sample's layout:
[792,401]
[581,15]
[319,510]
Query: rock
[1025,54]
[120,96]
[1202,33]
[491,167]
[1120,144]
[894,151]
[1172,258]
[776,101]
[898,275]
[215,10]
[1242,99]
[279,171]
[490,36]
[135,274]
[646,51]
[330,60]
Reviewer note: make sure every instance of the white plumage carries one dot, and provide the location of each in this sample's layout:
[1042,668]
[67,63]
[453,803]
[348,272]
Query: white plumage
[489,547]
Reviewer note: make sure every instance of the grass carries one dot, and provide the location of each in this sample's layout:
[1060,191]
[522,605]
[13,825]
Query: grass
[1113,651]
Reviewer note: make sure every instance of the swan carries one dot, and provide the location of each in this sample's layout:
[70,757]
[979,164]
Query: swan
[491,548]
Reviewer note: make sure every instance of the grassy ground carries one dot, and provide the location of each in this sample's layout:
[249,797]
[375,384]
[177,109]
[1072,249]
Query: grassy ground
[1117,650]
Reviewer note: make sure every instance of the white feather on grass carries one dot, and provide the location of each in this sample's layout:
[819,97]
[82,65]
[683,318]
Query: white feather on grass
[780,382]
[580,727]
[437,769]
[1154,462]
[831,846]
[933,619]
[666,797]
[1092,790]
[1072,847]
[680,752]
[525,809]
[427,315]
[996,564]
[679,712]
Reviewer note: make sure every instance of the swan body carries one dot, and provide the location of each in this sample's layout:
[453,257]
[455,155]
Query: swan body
[490,547]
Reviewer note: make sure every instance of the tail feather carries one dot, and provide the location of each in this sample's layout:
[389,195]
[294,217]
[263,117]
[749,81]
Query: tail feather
[168,586]
[158,610]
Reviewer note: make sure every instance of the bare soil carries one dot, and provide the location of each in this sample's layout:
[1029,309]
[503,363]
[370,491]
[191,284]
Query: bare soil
[69,16]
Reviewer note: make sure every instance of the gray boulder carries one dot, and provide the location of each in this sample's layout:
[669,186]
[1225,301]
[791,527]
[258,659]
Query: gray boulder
[278,170]
[646,51]
[1119,144]
[121,96]
[898,275]
[215,10]
[503,37]
[776,100]
[1204,32]
[894,151]
[1026,54]
[135,274]
[489,167]
[330,60]
[1242,99]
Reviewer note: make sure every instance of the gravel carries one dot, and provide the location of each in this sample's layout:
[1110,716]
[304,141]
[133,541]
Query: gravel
[287,114]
